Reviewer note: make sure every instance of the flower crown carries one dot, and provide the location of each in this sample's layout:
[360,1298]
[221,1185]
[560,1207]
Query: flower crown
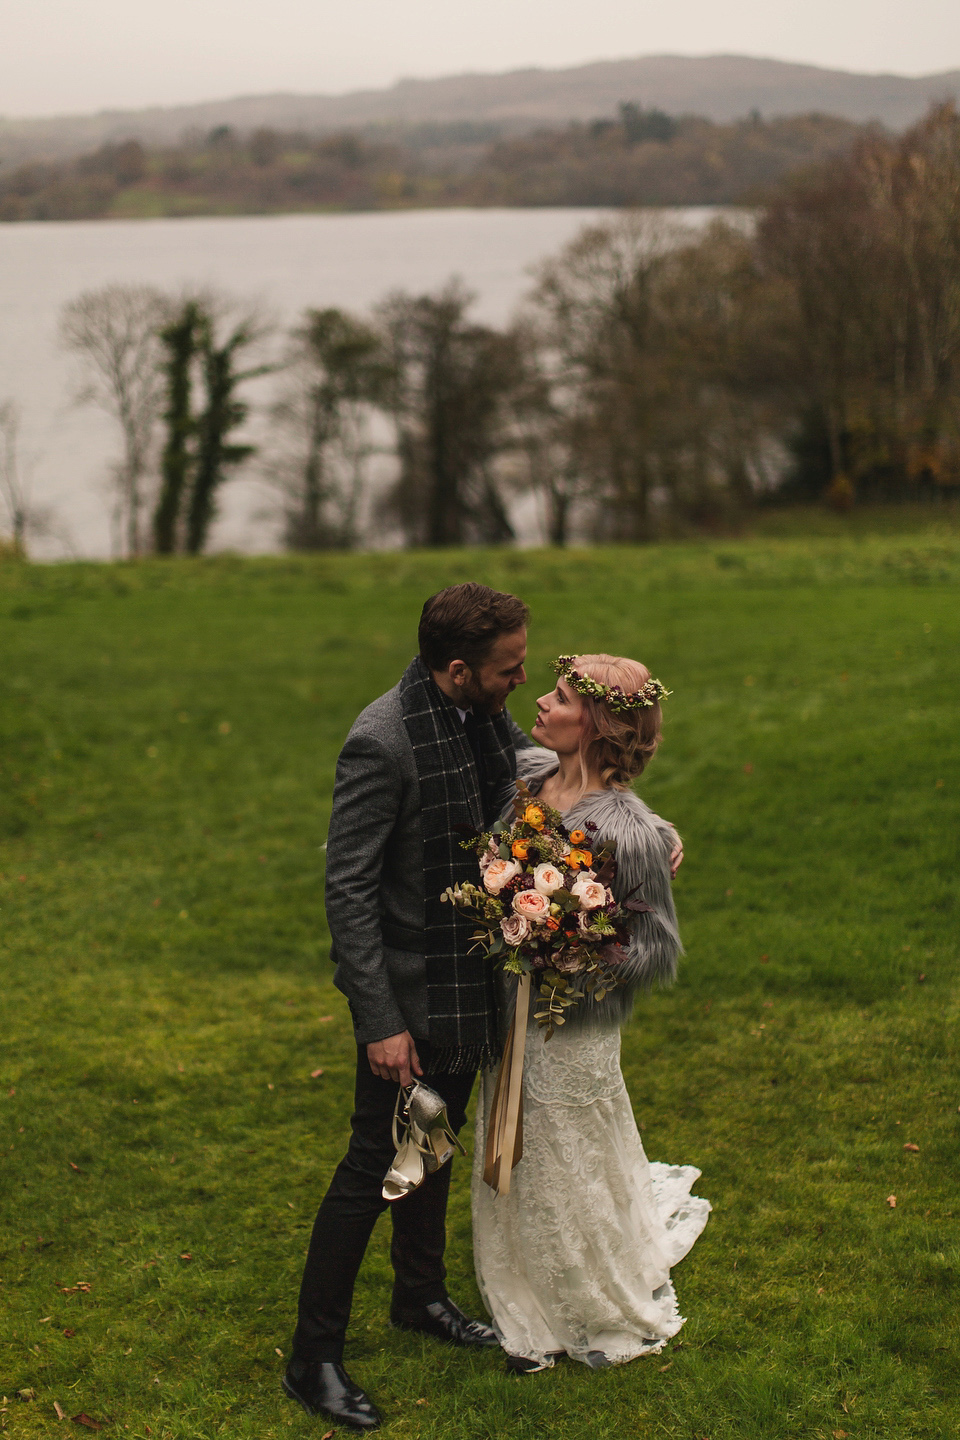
[613,695]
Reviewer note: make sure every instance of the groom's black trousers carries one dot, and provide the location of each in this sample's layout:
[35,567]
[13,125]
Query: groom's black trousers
[350,1209]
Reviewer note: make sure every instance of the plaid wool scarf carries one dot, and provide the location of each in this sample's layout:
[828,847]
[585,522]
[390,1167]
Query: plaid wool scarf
[454,800]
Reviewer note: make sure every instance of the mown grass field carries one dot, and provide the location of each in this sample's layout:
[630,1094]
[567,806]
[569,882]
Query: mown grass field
[168,735]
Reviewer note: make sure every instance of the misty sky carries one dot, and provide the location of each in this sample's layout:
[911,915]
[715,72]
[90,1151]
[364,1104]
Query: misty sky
[81,55]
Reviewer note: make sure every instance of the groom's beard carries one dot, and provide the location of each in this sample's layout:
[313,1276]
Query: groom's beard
[485,702]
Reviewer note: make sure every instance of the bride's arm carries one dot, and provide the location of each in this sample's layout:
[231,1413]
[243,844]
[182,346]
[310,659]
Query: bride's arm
[644,867]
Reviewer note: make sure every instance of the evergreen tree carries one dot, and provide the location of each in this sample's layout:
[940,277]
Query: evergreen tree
[180,339]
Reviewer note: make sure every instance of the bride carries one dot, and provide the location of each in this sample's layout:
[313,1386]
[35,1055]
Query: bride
[575,1260]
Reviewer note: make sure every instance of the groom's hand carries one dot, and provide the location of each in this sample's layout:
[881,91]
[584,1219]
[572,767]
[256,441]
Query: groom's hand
[676,858]
[395,1058]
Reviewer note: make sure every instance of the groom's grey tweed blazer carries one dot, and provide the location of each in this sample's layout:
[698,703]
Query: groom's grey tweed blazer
[374,889]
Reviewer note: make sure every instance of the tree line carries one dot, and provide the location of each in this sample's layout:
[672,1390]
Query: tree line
[656,380]
[638,157]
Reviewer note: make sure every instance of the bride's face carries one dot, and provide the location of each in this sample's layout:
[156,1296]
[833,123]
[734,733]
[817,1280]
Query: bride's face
[559,723]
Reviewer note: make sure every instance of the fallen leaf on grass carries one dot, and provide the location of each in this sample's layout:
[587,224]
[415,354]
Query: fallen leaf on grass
[328,1436]
[278,1351]
[421,1402]
[149,1263]
[69,1334]
[27,1394]
[12,1090]
[839,1435]
[185,1255]
[315,1074]
[60,1414]
[324,1020]
[45,1319]
[84,1285]
[914,1149]
[84,1419]
[665,1367]
[892,1201]
[290,1203]
[74,1167]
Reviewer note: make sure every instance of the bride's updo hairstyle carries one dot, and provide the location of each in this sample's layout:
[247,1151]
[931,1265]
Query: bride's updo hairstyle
[618,745]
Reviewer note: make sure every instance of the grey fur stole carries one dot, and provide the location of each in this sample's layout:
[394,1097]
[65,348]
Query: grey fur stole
[643,845]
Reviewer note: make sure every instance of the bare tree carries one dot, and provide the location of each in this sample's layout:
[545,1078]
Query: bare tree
[336,376]
[449,397]
[869,248]
[545,415]
[660,357]
[599,313]
[114,331]
[26,520]
[11,484]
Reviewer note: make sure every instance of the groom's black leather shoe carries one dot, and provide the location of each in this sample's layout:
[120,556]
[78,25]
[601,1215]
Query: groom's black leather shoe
[444,1321]
[325,1388]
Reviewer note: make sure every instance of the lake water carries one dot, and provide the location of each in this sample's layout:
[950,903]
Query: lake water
[284,262]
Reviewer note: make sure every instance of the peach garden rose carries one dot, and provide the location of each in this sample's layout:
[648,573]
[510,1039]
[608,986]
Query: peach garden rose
[499,873]
[590,893]
[531,904]
[547,878]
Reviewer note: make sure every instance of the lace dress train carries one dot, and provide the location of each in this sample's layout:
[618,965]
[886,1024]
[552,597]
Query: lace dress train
[577,1257]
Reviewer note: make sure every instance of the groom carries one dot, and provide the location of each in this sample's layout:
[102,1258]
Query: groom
[433,756]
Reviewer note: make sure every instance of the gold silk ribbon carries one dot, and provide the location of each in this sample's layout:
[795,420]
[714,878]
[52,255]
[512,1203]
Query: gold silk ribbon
[505,1126]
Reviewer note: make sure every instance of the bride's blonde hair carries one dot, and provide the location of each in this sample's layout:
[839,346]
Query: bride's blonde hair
[618,745]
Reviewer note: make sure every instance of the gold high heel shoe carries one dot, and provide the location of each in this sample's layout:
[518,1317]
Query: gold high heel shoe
[423,1137]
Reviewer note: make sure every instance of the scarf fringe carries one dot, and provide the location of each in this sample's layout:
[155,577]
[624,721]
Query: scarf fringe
[459,1060]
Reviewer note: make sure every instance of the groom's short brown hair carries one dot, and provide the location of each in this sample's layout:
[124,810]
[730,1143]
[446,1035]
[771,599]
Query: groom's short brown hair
[463,622]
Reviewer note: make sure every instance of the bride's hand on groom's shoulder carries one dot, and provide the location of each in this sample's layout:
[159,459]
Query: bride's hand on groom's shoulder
[395,1058]
[676,857]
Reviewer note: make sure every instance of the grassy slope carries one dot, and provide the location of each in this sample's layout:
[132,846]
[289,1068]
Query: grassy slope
[167,741]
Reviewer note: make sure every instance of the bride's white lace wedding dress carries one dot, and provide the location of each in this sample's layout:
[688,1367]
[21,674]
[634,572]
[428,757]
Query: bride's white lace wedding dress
[577,1257]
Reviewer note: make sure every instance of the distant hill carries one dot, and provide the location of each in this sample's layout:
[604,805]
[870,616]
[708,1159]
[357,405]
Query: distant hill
[720,87]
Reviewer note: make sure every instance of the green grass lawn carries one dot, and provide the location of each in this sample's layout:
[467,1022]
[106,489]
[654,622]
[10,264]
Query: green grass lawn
[168,735]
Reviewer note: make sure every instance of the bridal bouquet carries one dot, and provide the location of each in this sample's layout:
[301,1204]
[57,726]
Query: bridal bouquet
[544,907]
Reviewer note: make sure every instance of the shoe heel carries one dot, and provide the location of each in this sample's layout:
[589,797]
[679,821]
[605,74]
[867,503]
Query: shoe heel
[443,1145]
